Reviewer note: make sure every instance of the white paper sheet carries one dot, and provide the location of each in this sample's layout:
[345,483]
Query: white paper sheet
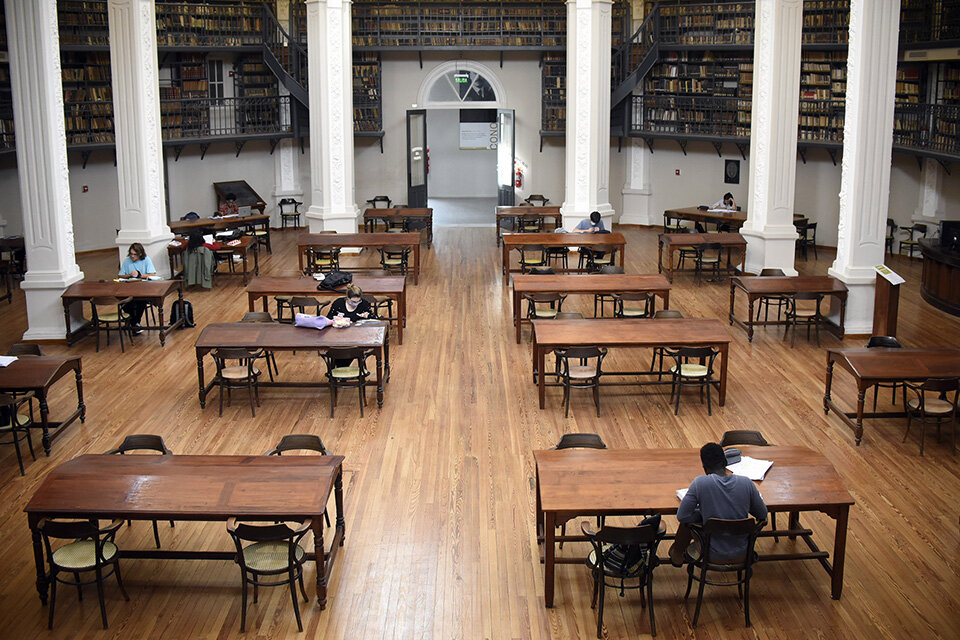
[6,360]
[751,467]
[681,493]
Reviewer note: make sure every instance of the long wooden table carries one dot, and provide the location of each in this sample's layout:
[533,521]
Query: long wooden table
[870,366]
[221,224]
[519,212]
[247,245]
[150,291]
[196,488]
[513,241]
[607,482]
[392,286]
[674,241]
[286,337]
[343,240]
[755,287]
[404,214]
[37,374]
[735,219]
[595,283]
[618,333]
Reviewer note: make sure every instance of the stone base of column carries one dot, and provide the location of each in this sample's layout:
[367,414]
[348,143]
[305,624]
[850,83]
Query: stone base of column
[572,217]
[154,245]
[637,208]
[44,307]
[320,219]
[773,248]
[861,283]
[278,195]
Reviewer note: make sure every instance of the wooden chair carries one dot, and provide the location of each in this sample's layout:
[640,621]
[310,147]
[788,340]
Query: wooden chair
[287,215]
[394,259]
[580,374]
[684,253]
[737,437]
[691,374]
[260,233]
[243,375]
[885,342]
[542,271]
[275,554]
[932,404]
[323,260]
[530,224]
[601,299]
[17,424]
[673,225]
[596,257]
[91,549]
[569,315]
[911,243]
[376,201]
[804,309]
[708,258]
[301,442]
[660,352]
[544,305]
[888,241]
[577,441]
[144,442]
[532,255]
[24,349]
[557,256]
[269,357]
[341,372]
[806,238]
[743,566]
[108,315]
[622,554]
[764,303]
[632,305]
[295,305]
[535,198]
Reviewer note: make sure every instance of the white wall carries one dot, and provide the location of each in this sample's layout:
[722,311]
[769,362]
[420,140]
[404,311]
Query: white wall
[456,172]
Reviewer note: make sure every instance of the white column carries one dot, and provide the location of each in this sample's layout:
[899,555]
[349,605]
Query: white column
[286,166]
[588,112]
[637,193]
[136,123]
[769,229]
[330,79]
[867,142]
[34,49]
[930,207]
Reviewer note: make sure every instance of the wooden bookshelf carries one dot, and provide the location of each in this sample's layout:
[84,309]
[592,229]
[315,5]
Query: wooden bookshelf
[367,95]
[209,24]
[826,22]
[87,96]
[553,119]
[83,23]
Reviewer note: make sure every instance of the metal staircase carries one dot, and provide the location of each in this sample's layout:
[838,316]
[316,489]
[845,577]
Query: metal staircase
[632,61]
[285,57]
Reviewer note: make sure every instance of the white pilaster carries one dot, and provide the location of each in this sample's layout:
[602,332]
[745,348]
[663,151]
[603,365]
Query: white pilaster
[930,207]
[136,123]
[867,140]
[587,184]
[286,167]
[330,69]
[769,229]
[637,192]
[34,48]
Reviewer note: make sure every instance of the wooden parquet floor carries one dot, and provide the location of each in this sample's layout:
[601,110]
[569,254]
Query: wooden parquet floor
[439,483]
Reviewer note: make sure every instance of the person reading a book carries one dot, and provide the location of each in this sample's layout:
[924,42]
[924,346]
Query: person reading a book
[229,208]
[593,224]
[137,264]
[715,495]
[352,306]
[727,203]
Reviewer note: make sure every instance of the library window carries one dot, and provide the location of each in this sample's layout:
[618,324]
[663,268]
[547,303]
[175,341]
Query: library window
[215,83]
[462,86]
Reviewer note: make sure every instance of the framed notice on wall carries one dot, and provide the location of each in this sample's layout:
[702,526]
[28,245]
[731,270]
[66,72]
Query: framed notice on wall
[479,135]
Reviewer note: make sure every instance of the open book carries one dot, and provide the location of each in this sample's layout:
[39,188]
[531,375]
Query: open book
[751,467]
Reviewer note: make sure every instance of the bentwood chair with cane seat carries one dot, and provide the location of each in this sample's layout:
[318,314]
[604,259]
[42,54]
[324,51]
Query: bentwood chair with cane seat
[276,554]
[806,238]
[885,342]
[748,529]
[578,372]
[621,555]
[380,304]
[91,549]
[685,253]
[268,355]
[888,240]
[144,442]
[242,375]
[708,258]
[108,315]
[261,234]
[765,303]
[288,216]
[544,305]
[577,441]
[532,255]
[804,309]
[692,374]
[557,256]
[541,271]
[347,367]
[632,305]
[673,225]
[601,299]
[16,424]
[597,257]
[300,442]
[394,259]
[931,403]
[537,200]
[660,352]
[323,259]
[530,224]
[912,243]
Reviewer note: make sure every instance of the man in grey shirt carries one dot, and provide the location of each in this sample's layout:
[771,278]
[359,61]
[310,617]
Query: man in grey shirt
[717,495]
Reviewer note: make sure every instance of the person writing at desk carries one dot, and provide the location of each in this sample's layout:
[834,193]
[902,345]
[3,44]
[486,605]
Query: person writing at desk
[229,208]
[715,495]
[593,224]
[136,265]
[352,306]
[727,203]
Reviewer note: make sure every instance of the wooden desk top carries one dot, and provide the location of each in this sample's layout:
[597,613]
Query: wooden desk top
[898,364]
[696,239]
[674,332]
[188,487]
[255,335]
[589,283]
[768,285]
[731,216]
[357,239]
[201,223]
[548,210]
[564,239]
[35,372]
[245,243]
[134,288]
[595,481]
[301,285]
[403,212]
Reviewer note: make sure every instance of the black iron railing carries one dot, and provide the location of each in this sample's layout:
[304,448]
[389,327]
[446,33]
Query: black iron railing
[224,117]
[706,24]
[191,24]
[934,128]
[690,116]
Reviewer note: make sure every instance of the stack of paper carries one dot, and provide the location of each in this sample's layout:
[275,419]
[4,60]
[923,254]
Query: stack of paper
[681,493]
[6,360]
[751,467]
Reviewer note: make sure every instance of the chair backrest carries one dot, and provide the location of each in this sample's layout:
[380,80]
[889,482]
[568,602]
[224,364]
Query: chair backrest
[142,442]
[579,353]
[221,355]
[667,314]
[891,225]
[683,353]
[611,269]
[542,271]
[920,228]
[261,532]
[580,441]
[347,353]
[940,385]
[108,301]
[764,273]
[298,442]
[884,341]
[376,200]
[724,227]
[635,296]
[257,316]
[745,528]
[24,349]
[699,227]
[743,436]
[568,315]
[396,249]
[625,551]
[708,247]
[545,298]
[77,530]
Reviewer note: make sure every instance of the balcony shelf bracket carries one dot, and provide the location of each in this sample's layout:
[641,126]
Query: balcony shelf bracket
[273,144]
[649,142]
[203,149]
[945,165]
[420,57]
[802,151]
[177,150]
[84,156]
[833,155]
[742,148]
[683,145]
[239,147]
[719,147]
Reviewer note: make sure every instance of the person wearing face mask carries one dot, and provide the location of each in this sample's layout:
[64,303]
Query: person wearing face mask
[352,306]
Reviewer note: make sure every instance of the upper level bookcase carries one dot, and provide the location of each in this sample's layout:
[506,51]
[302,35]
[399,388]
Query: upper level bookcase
[367,96]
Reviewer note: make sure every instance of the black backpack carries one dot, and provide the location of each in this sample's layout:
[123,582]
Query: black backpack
[335,279]
[182,309]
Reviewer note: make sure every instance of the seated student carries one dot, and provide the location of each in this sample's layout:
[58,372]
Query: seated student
[229,207]
[352,306]
[137,264]
[716,495]
[192,215]
[727,203]
[593,224]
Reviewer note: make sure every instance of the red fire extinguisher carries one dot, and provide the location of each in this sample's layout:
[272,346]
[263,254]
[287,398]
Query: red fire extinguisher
[518,181]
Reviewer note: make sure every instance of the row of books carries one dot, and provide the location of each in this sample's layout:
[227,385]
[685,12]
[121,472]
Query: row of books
[92,94]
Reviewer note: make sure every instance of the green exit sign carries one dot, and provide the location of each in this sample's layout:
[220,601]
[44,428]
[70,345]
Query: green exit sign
[460,80]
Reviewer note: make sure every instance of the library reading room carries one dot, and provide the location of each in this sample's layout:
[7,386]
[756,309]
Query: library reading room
[523,306]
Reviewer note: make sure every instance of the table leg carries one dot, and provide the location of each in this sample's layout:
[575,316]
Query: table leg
[732,300]
[497,230]
[539,507]
[81,407]
[66,318]
[321,557]
[539,353]
[402,305]
[244,267]
[250,301]
[549,548]
[843,313]
[338,499]
[750,302]
[516,314]
[379,379]
[399,322]
[163,334]
[829,383]
[386,356]
[670,263]
[666,299]
[660,256]
[505,268]
[858,431]
[839,551]
[42,582]
[416,262]
[623,251]
[724,355]
[203,390]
